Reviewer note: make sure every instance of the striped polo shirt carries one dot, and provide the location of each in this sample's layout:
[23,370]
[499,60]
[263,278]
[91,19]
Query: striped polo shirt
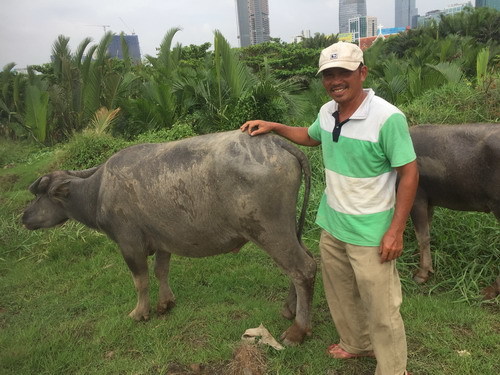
[358,203]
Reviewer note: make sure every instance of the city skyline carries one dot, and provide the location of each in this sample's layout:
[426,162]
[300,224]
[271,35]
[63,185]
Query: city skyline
[350,9]
[405,13]
[29,29]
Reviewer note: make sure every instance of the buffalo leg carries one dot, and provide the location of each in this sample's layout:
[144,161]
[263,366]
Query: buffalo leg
[290,306]
[166,299]
[296,262]
[137,263]
[421,215]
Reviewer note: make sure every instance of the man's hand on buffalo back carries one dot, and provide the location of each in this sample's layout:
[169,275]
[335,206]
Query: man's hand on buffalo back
[255,127]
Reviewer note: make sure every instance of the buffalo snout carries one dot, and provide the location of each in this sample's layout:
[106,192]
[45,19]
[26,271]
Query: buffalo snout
[43,213]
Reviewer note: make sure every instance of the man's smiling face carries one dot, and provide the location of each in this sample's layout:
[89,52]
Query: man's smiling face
[344,85]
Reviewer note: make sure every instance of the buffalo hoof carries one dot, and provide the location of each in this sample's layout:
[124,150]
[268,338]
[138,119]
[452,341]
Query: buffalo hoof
[294,335]
[163,308]
[421,277]
[139,316]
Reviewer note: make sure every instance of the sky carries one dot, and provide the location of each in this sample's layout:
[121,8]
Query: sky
[29,28]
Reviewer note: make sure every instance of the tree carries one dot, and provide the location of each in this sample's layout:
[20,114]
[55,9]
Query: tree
[11,101]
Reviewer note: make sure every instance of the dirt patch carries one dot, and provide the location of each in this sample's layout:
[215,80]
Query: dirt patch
[7,181]
[239,314]
[248,359]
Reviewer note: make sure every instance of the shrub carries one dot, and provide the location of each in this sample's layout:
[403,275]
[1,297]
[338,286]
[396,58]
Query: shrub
[454,103]
[250,107]
[16,152]
[176,132]
[88,149]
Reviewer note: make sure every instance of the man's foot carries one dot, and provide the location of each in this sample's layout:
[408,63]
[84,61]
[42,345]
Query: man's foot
[335,351]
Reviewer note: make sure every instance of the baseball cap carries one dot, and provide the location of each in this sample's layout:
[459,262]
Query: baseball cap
[340,55]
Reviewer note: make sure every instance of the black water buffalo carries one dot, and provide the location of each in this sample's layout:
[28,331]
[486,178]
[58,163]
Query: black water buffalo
[197,197]
[459,169]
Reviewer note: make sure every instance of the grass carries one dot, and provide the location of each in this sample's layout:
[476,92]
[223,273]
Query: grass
[66,293]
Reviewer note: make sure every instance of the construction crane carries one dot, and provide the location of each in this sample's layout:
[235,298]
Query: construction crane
[103,27]
[126,26]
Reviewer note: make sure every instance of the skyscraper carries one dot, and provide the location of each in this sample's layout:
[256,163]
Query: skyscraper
[405,14]
[350,9]
[253,21]
[488,3]
[132,41]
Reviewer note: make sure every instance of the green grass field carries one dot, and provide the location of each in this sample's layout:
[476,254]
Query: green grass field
[66,292]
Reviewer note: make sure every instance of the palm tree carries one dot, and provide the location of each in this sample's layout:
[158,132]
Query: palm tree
[157,107]
[36,106]
[11,84]
[483,24]
[84,82]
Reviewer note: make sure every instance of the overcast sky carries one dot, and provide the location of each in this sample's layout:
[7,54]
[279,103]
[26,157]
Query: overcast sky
[28,28]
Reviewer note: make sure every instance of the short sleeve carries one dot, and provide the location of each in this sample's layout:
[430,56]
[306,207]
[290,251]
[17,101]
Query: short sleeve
[314,130]
[396,142]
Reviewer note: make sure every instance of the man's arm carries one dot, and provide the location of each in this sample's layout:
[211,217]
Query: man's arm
[297,135]
[391,246]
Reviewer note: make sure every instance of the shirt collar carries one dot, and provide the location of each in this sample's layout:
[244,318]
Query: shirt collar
[362,112]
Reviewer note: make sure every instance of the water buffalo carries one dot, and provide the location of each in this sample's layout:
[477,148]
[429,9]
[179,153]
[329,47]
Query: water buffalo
[459,169]
[196,197]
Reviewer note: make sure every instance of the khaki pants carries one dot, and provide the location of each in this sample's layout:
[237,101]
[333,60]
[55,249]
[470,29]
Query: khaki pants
[364,298]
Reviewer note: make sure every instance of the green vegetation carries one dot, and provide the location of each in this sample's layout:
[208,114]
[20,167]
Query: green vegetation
[216,89]
[66,292]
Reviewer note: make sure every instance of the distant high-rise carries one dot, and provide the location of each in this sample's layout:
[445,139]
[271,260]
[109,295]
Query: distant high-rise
[350,9]
[405,13]
[434,16]
[362,27]
[253,21]
[488,3]
[134,51]
[456,8]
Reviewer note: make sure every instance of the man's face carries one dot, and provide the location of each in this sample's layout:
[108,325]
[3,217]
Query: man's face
[344,85]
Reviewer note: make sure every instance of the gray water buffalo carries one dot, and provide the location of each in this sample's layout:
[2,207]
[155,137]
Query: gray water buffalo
[459,169]
[196,197]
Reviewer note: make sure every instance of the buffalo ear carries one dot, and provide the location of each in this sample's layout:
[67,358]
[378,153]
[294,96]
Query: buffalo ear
[59,190]
[40,185]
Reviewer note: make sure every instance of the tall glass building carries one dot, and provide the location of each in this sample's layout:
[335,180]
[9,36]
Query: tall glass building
[405,13]
[253,21]
[134,50]
[488,3]
[350,9]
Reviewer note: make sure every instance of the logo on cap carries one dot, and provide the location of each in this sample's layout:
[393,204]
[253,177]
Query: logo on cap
[334,56]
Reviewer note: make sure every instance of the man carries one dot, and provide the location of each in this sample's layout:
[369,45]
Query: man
[366,145]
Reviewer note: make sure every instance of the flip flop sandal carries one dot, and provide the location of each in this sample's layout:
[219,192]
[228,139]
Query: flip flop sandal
[335,351]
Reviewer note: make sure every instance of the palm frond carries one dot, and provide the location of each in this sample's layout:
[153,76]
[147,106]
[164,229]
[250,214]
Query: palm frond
[60,53]
[125,52]
[229,68]
[164,60]
[80,51]
[36,111]
[8,67]
[103,119]
[482,66]
[451,71]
